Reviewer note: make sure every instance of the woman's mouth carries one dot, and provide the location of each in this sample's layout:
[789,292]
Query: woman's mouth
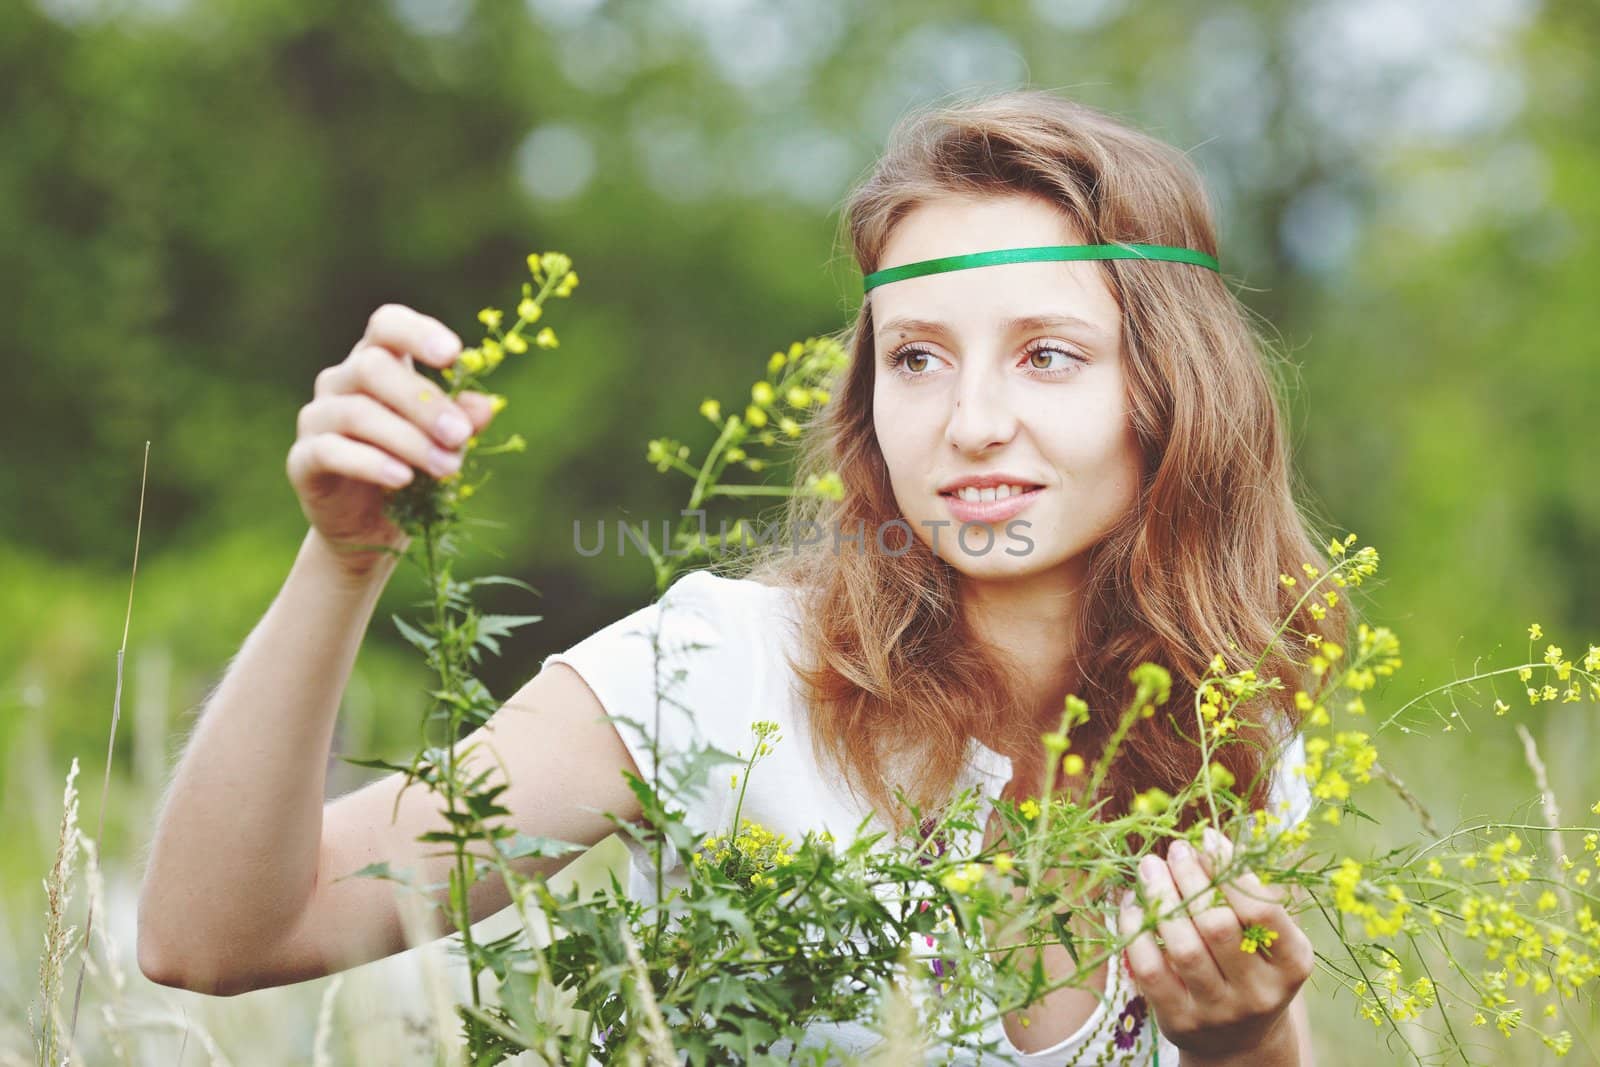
[991,505]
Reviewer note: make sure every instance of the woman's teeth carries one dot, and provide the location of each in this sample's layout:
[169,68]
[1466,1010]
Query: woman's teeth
[998,492]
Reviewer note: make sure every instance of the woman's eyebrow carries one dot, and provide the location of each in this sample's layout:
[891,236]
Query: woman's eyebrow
[1015,323]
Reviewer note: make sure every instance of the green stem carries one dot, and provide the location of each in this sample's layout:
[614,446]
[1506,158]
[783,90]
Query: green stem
[461,872]
[739,805]
[751,490]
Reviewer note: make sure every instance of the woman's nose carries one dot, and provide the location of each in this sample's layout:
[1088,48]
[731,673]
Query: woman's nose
[981,415]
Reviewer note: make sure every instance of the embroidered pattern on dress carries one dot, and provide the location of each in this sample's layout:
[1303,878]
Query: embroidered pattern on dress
[1130,1023]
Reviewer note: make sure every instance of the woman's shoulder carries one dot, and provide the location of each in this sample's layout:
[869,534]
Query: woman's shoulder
[760,597]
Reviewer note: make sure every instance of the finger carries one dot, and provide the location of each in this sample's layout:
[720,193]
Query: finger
[404,330]
[329,453]
[1252,900]
[1219,928]
[361,417]
[1291,952]
[1185,950]
[1148,965]
[376,371]
[478,406]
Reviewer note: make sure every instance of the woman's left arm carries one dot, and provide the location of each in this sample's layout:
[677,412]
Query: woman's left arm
[1300,1012]
[1221,971]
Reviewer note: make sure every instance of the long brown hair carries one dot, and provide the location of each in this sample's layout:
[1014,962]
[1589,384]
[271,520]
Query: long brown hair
[896,682]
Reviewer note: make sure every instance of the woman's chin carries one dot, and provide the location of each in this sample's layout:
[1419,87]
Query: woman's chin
[998,564]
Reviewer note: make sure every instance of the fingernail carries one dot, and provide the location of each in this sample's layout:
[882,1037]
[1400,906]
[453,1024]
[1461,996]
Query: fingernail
[1212,839]
[444,345]
[1128,900]
[395,473]
[1147,867]
[452,428]
[1180,850]
[442,462]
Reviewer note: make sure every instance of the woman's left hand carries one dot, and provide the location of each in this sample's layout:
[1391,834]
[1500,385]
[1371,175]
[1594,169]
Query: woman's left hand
[1211,997]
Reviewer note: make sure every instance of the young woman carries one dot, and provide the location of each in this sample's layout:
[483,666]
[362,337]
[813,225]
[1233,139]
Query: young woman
[1125,403]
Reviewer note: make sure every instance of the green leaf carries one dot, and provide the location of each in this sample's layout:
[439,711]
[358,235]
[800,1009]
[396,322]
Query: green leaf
[721,911]
[415,636]
[376,764]
[529,845]
[500,579]
[753,1036]
[517,993]
[716,992]
[378,870]
[503,624]
[1068,942]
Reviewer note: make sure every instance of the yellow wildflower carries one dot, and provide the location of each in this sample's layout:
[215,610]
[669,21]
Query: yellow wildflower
[1152,801]
[963,878]
[1257,936]
[554,263]
[1221,777]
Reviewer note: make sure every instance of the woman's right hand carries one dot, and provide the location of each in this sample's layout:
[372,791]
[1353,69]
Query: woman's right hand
[371,420]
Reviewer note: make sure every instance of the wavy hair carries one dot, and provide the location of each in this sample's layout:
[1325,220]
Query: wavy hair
[897,684]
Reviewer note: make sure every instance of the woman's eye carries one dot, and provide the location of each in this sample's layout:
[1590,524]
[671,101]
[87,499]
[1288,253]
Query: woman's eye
[902,361]
[1040,359]
[918,362]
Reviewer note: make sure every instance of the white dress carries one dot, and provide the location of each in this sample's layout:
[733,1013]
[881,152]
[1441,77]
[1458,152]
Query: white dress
[722,645]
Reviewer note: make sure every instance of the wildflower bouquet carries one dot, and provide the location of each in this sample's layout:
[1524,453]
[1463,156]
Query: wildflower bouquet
[933,933]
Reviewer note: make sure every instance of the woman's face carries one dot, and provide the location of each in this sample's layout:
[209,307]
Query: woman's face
[1012,370]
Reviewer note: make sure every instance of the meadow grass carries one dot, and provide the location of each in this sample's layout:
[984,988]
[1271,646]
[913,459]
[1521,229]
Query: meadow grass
[84,1004]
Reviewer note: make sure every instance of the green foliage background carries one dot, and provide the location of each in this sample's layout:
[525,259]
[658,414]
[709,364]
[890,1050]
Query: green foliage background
[201,203]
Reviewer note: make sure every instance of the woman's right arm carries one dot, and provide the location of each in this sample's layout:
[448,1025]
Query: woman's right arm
[242,886]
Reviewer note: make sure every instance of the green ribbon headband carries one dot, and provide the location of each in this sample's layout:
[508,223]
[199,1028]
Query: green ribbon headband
[1042,253]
